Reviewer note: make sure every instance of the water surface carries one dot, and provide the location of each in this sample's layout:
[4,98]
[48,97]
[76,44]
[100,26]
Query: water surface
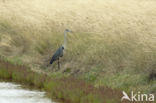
[13,93]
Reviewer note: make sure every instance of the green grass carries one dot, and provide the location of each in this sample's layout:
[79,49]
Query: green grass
[65,89]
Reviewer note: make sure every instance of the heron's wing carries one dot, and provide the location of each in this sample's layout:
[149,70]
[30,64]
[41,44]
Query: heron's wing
[58,53]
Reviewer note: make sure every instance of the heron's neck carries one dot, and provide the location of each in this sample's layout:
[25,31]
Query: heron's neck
[65,39]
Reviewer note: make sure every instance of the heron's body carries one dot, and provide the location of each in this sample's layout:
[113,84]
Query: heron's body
[59,52]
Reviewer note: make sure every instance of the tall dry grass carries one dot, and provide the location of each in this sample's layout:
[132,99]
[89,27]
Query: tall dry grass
[113,44]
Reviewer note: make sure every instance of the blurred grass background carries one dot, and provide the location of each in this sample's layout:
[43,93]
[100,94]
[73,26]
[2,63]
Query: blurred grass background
[113,44]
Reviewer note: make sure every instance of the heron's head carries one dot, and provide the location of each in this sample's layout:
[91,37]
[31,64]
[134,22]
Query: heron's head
[67,30]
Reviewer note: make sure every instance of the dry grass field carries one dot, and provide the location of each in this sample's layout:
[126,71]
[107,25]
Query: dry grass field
[113,44]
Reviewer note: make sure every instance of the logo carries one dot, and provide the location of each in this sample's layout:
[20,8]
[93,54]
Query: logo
[137,97]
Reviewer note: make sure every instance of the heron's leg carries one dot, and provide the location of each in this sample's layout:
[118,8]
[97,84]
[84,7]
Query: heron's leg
[58,64]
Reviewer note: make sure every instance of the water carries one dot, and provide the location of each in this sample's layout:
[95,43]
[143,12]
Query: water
[13,93]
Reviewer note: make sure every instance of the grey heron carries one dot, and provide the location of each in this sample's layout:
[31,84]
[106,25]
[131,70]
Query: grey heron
[60,50]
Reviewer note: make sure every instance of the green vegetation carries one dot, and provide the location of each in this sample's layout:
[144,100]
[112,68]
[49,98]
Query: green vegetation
[66,89]
[113,44]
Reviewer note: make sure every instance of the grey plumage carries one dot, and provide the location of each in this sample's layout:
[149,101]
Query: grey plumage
[59,52]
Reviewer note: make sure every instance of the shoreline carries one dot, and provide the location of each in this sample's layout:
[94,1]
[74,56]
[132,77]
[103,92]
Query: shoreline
[66,89]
